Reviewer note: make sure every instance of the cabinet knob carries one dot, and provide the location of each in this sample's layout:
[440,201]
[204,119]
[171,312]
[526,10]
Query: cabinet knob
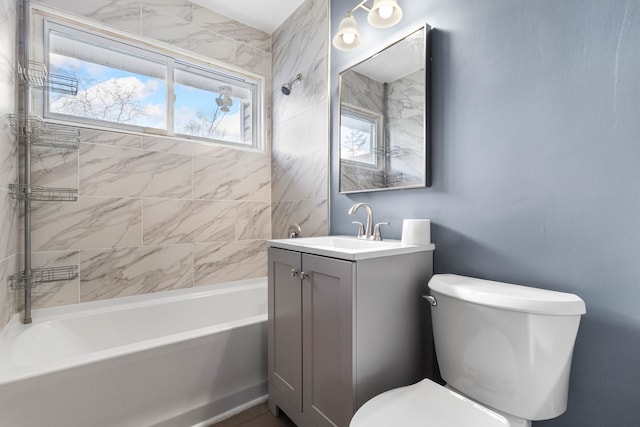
[303,275]
[294,273]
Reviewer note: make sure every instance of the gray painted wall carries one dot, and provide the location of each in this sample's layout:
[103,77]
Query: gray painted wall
[536,167]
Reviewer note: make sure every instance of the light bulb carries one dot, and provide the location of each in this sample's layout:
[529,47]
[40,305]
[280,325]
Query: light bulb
[349,38]
[385,11]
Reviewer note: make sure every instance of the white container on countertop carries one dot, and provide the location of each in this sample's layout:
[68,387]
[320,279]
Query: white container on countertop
[416,232]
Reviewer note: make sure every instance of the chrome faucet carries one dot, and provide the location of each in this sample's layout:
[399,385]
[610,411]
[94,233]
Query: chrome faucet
[369,229]
[294,231]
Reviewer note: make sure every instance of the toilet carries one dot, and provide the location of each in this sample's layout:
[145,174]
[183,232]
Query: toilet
[504,351]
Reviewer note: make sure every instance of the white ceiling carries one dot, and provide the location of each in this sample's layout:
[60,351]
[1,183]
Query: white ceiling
[265,15]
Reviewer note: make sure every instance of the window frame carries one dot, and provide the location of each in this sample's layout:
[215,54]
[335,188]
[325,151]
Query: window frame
[151,50]
[378,143]
[189,67]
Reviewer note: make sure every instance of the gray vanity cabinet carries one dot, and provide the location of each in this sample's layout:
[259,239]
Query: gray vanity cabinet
[285,328]
[327,351]
[316,306]
[341,332]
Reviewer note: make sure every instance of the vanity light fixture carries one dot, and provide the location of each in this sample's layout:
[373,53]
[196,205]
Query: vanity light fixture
[383,14]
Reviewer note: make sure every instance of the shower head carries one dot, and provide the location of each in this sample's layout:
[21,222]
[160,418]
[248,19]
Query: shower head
[286,88]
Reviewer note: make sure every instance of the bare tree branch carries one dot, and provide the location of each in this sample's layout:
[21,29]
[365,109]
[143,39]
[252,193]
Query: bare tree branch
[206,125]
[111,100]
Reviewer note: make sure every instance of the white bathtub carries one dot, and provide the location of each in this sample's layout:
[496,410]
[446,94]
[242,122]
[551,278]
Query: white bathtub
[179,358]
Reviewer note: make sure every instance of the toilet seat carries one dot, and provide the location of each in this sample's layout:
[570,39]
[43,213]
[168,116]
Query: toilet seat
[425,404]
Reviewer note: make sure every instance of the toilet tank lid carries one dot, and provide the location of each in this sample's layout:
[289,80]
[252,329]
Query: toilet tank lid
[507,296]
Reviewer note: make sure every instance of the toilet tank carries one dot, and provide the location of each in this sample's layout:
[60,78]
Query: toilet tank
[506,346]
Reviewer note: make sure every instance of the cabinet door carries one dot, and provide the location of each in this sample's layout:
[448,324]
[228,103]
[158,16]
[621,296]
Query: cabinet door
[328,398]
[285,325]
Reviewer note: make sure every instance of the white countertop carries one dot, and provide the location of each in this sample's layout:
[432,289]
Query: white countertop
[348,247]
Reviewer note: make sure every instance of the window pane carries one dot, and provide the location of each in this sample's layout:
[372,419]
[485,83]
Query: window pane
[113,85]
[210,105]
[358,137]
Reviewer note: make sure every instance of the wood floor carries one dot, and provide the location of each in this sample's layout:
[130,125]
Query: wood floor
[258,416]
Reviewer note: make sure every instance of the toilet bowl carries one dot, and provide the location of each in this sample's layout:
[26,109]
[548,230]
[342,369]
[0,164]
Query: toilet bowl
[504,351]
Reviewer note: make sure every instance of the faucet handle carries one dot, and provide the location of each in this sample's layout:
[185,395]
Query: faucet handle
[294,231]
[376,232]
[360,229]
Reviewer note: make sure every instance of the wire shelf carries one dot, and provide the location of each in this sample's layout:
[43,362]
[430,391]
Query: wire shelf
[58,136]
[391,151]
[397,179]
[43,275]
[35,74]
[35,131]
[44,194]
[63,84]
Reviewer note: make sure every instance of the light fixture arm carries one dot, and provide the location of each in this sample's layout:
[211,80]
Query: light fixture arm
[362,4]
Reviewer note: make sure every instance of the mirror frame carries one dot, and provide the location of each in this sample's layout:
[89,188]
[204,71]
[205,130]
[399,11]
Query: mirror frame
[426,181]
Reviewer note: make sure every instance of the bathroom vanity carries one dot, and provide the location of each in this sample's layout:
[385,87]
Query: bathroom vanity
[346,322]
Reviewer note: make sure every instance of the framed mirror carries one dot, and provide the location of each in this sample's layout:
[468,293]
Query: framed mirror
[384,138]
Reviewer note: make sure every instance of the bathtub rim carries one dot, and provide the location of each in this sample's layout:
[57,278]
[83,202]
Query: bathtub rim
[41,314]
[15,327]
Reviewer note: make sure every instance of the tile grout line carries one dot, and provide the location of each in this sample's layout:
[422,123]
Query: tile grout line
[193,249]
[79,291]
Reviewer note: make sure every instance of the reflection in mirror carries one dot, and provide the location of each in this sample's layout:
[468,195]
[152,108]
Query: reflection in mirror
[383,138]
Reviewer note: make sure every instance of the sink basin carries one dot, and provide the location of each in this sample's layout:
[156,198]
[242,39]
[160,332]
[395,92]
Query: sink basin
[345,242]
[348,247]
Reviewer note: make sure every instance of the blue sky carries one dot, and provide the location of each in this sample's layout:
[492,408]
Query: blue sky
[150,94]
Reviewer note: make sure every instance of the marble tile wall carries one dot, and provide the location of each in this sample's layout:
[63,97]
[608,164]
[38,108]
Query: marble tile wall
[361,91]
[356,178]
[8,159]
[182,24]
[149,220]
[300,122]
[156,213]
[406,123]
[162,213]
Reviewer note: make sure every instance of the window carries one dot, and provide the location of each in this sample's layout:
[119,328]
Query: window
[125,86]
[212,105]
[116,83]
[360,136]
